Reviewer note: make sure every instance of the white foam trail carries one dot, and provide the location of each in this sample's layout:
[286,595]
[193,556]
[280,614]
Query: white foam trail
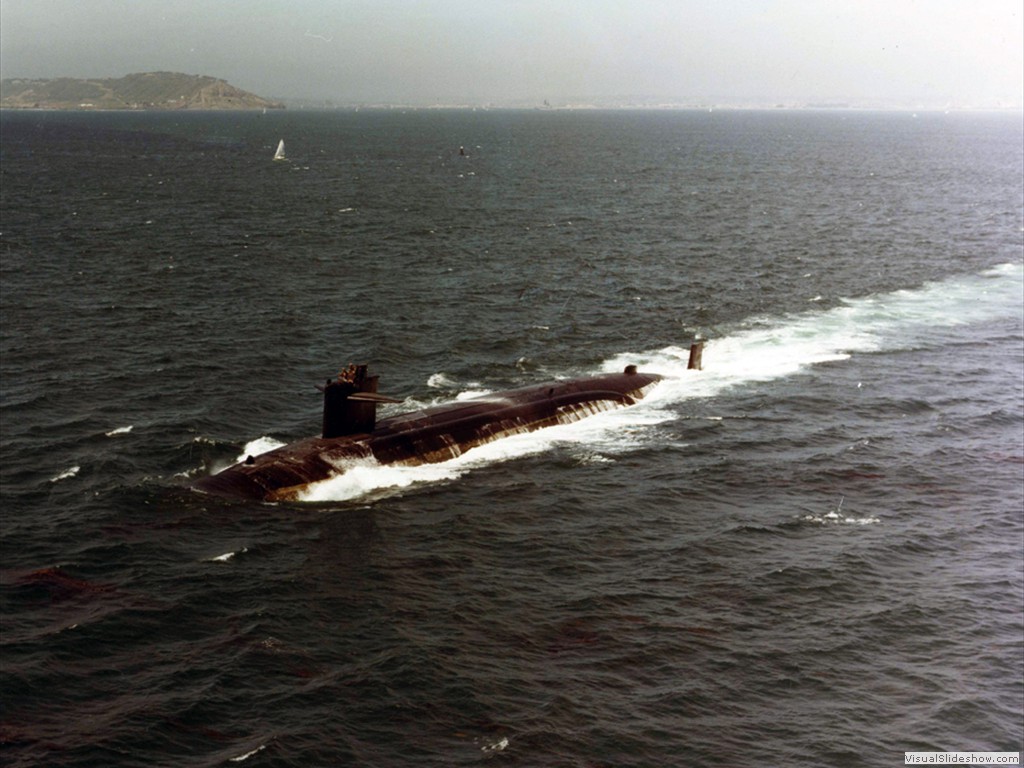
[120,431]
[497,746]
[469,394]
[258,446]
[766,350]
[368,476]
[608,432]
[252,448]
[835,518]
[67,473]
[439,380]
[226,556]
[772,349]
[247,755]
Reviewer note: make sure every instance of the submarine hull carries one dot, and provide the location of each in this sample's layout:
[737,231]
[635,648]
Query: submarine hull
[427,436]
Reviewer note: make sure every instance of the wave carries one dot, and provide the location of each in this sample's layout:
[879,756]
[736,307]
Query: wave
[66,474]
[260,445]
[837,518]
[226,556]
[247,755]
[766,349]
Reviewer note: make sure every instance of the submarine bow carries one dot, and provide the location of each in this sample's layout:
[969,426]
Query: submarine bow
[351,432]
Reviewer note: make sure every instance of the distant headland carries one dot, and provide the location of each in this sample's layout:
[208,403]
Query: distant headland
[146,90]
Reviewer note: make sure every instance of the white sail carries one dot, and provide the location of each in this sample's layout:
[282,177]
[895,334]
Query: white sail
[279,155]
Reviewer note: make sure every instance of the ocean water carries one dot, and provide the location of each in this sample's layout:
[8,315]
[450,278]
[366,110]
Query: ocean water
[811,552]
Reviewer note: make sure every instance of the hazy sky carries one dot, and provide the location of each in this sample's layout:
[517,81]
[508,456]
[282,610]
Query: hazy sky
[756,52]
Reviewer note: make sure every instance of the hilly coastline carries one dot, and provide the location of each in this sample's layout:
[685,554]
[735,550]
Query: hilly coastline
[147,90]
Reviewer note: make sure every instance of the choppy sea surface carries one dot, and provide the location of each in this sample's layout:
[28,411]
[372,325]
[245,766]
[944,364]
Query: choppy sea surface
[811,552]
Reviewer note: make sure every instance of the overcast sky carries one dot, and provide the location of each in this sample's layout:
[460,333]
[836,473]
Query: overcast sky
[909,53]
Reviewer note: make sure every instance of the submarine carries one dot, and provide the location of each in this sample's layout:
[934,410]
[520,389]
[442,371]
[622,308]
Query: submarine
[351,433]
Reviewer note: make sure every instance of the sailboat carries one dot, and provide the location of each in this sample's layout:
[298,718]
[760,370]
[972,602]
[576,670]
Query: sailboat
[279,155]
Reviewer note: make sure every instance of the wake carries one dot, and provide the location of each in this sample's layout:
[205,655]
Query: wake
[765,349]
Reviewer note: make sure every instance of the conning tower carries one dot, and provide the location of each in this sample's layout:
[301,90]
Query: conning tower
[350,402]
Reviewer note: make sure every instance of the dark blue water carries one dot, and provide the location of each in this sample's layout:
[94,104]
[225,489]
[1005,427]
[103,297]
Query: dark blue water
[809,553]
